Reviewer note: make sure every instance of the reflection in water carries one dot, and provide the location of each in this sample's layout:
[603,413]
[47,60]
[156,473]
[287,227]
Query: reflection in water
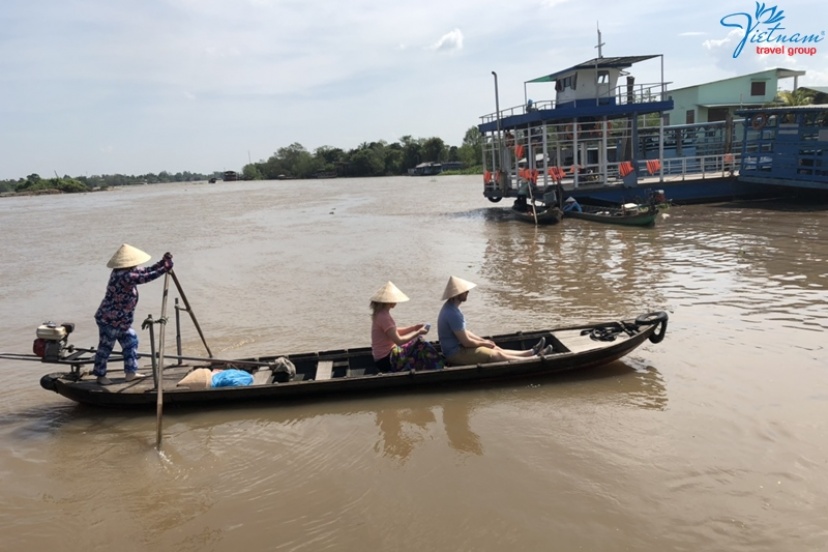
[764,263]
[276,266]
[457,423]
[402,429]
[573,269]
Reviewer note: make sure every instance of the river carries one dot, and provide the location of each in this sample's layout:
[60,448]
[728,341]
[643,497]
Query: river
[714,439]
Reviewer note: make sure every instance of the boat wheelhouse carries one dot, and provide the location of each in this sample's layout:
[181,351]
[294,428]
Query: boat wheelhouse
[589,134]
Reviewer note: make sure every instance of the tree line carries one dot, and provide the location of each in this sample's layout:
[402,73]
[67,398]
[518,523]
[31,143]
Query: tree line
[294,161]
[35,184]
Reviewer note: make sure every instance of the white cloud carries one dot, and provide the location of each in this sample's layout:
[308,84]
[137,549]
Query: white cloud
[194,84]
[450,41]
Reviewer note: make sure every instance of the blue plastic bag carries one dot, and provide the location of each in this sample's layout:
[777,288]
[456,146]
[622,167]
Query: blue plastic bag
[232,378]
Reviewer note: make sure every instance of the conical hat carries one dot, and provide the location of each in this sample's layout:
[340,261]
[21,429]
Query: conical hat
[456,286]
[127,256]
[389,293]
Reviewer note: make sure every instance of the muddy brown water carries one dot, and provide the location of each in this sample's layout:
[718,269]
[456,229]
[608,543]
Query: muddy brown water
[714,439]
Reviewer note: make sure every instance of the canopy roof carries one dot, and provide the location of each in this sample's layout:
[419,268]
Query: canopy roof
[596,63]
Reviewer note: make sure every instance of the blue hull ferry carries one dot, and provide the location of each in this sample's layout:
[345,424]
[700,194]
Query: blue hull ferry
[587,137]
[603,140]
[786,147]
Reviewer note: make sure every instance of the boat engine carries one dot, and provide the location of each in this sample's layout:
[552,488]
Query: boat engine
[50,344]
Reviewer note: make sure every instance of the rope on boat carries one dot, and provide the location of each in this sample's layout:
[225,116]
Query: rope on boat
[651,319]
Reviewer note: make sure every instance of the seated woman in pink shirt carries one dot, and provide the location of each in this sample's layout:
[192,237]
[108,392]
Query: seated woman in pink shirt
[395,349]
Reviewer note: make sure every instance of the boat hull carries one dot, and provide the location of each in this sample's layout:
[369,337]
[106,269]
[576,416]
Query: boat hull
[615,216]
[552,215]
[353,371]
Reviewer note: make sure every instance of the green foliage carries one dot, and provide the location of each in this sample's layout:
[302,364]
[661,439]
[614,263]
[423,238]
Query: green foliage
[471,152]
[71,186]
[294,161]
[474,169]
[800,96]
[433,150]
[34,184]
[367,159]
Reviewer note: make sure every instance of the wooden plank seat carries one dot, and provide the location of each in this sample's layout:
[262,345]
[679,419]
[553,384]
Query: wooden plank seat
[263,376]
[324,370]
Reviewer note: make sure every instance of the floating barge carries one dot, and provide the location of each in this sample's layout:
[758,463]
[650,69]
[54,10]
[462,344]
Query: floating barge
[786,147]
[602,140]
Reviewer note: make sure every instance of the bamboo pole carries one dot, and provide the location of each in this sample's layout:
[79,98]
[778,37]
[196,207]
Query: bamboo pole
[209,359]
[190,310]
[159,371]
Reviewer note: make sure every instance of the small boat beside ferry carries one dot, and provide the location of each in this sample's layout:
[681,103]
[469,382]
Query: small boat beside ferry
[537,214]
[629,214]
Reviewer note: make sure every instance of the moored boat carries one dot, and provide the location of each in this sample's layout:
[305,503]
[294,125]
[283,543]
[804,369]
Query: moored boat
[630,214]
[587,137]
[341,372]
[539,214]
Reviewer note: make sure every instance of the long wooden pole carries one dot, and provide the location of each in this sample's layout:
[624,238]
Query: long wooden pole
[159,371]
[202,359]
[190,310]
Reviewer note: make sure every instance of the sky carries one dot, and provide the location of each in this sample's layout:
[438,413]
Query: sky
[91,87]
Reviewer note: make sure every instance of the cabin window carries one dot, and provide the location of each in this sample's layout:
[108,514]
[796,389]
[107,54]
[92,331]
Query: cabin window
[566,82]
[603,77]
[690,117]
[757,88]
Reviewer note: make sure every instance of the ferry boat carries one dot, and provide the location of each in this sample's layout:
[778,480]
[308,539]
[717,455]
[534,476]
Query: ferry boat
[786,147]
[603,141]
[588,135]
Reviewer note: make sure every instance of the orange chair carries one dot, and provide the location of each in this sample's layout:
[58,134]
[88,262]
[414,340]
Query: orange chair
[625,168]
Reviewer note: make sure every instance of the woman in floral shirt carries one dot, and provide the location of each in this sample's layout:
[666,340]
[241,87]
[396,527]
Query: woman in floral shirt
[115,315]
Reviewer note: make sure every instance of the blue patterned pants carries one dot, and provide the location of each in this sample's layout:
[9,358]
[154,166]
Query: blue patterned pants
[129,344]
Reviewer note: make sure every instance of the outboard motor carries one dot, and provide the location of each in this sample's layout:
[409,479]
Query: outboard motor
[50,344]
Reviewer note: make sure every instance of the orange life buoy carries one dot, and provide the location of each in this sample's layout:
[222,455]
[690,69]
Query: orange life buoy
[759,121]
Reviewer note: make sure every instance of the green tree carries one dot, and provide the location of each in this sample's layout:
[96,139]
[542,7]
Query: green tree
[434,150]
[394,159]
[330,158]
[367,161]
[70,185]
[252,172]
[800,96]
[471,152]
[412,152]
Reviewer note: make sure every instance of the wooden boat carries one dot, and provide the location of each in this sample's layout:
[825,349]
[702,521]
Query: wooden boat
[546,214]
[626,215]
[342,372]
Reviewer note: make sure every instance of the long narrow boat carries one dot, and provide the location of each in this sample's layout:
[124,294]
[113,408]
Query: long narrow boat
[632,215]
[341,372]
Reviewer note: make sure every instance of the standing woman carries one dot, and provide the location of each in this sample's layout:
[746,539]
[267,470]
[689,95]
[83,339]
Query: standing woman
[117,310]
[394,348]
